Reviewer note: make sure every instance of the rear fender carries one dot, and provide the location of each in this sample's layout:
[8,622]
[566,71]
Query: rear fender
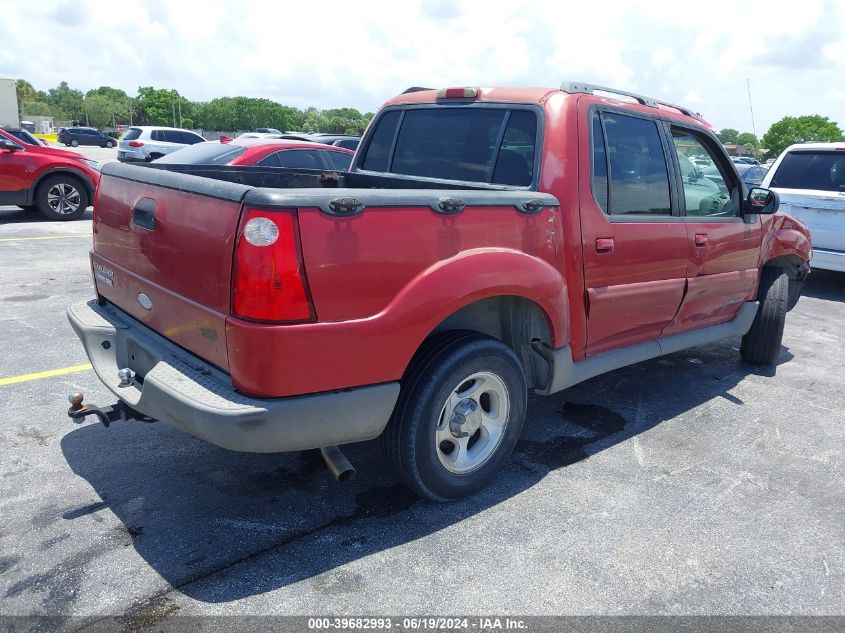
[311,357]
[478,274]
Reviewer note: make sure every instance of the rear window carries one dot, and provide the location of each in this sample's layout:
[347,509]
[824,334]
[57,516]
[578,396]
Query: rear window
[131,134]
[824,171]
[477,144]
[204,154]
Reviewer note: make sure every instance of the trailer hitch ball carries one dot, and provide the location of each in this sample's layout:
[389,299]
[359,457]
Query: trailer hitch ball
[75,400]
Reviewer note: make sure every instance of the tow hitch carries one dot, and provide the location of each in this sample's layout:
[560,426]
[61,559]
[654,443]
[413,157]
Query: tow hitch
[118,411]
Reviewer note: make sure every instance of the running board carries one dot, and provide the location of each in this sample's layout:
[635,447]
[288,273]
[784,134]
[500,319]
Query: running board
[564,372]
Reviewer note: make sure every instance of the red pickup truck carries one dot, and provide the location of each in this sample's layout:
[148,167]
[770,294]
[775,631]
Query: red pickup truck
[485,242]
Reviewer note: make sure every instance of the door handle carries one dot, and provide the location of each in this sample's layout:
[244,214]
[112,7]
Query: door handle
[701,240]
[604,245]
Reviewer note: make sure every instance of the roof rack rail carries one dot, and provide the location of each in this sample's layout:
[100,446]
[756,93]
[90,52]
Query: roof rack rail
[415,89]
[574,87]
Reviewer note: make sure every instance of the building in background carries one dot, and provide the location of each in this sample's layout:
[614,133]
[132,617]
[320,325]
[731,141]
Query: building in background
[39,124]
[9,104]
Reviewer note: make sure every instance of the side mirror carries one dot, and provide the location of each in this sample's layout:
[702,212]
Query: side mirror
[9,145]
[761,201]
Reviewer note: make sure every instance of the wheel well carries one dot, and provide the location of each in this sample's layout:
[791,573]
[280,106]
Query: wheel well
[61,172]
[516,321]
[790,263]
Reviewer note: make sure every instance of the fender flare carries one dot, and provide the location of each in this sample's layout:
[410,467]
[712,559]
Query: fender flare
[452,284]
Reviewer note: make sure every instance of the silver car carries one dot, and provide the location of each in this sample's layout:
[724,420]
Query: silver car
[144,143]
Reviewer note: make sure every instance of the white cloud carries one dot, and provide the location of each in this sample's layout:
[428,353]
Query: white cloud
[336,53]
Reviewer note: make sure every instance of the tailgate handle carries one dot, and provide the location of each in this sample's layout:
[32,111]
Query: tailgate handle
[144,214]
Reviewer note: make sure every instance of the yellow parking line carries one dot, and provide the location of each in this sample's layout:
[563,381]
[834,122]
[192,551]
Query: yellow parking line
[13,380]
[52,237]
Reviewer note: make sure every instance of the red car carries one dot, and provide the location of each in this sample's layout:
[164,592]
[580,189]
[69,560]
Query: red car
[485,243]
[58,183]
[263,152]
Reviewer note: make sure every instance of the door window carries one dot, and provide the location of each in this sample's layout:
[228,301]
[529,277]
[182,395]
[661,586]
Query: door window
[708,188]
[631,151]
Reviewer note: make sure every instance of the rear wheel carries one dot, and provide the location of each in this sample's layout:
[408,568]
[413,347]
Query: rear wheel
[109,144]
[795,287]
[74,143]
[459,415]
[154,156]
[761,345]
[61,198]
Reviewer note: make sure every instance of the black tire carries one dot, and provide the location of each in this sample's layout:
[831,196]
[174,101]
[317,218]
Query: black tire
[761,345]
[795,287]
[61,181]
[28,207]
[109,144]
[442,367]
[74,143]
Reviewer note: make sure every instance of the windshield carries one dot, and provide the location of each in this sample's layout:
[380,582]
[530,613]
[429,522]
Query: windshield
[204,154]
[822,171]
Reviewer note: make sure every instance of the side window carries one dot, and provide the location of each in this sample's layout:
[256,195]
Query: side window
[191,139]
[708,189]
[378,151]
[157,135]
[339,160]
[639,178]
[300,159]
[599,163]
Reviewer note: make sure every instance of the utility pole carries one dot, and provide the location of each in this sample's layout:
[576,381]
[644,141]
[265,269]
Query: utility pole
[172,103]
[750,107]
[180,113]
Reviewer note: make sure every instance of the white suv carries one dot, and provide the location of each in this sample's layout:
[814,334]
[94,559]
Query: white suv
[810,179]
[145,143]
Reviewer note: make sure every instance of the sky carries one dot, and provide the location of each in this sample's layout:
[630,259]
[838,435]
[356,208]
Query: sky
[327,53]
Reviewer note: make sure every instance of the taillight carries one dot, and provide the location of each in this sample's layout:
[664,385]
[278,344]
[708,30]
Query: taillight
[269,282]
[135,144]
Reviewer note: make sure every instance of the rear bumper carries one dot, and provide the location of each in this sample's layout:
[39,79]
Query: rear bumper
[180,389]
[131,155]
[828,260]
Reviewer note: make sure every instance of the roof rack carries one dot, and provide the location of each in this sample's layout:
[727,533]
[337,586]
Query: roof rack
[574,87]
[415,89]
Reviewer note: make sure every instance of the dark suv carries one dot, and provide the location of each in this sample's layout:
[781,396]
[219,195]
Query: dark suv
[76,136]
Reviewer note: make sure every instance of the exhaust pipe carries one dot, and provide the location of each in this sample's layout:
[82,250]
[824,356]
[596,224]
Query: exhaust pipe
[337,463]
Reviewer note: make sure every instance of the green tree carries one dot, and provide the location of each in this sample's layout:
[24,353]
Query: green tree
[747,138]
[36,108]
[161,107]
[26,93]
[107,106]
[66,103]
[803,129]
[728,136]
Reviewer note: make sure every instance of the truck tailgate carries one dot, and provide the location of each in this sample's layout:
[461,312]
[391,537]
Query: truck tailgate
[171,238]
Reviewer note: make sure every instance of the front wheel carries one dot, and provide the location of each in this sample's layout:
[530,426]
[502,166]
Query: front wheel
[761,345]
[61,198]
[459,416]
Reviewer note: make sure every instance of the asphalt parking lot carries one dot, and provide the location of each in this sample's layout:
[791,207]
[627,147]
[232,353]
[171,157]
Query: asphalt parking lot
[692,484]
